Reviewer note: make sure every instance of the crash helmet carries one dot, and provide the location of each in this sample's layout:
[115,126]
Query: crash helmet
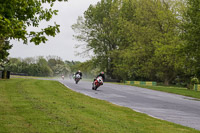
[101,72]
[79,71]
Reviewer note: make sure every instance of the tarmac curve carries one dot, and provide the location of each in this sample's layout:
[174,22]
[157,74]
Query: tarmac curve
[170,107]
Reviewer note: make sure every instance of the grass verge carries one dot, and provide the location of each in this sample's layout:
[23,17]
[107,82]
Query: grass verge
[43,106]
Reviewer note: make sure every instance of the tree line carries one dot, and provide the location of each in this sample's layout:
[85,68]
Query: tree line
[16,16]
[129,39]
[154,40]
[50,66]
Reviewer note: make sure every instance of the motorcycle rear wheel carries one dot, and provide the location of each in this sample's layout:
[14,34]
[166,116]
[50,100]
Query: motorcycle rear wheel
[77,81]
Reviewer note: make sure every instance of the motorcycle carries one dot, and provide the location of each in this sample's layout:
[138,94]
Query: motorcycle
[97,83]
[63,77]
[77,78]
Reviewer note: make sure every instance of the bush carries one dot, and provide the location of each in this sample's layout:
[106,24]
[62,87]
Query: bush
[194,81]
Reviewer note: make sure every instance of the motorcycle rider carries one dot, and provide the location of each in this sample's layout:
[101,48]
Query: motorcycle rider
[80,73]
[100,74]
[63,77]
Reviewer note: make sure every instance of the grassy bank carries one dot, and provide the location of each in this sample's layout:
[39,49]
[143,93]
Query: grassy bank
[38,106]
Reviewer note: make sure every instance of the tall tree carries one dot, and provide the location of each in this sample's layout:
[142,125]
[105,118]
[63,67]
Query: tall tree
[165,41]
[191,33]
[97,30]
[58,66]
[4,47]
[17,15]
[133,39]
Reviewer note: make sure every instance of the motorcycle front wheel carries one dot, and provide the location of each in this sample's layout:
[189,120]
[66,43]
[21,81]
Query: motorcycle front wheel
[77,81]
[95,87]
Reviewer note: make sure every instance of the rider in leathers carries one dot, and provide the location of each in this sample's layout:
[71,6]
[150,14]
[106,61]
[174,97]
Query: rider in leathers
[100,74]
[80,73]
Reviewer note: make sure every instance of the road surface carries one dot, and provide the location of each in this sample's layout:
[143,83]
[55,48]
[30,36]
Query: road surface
[170,107]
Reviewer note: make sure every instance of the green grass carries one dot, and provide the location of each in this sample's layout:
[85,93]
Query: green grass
[43,106]
[172,89]
[87,79]
[32,77]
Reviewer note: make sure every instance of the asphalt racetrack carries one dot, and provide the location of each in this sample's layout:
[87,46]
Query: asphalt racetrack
[170,107]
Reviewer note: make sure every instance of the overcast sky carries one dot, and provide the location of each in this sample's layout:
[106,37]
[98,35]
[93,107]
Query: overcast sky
[63,44]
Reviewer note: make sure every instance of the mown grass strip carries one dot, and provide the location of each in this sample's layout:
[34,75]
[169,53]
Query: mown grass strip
[41,106]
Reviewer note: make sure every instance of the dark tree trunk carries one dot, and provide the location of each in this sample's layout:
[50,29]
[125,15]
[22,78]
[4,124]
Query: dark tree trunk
[166,81]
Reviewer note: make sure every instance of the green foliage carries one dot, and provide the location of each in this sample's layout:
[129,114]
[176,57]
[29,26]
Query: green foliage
[4,47]
[88,69]
[17,15]
[97,28]
[73,65]
[194,81]
[52,66]
[191,26]
[58,66]
[133,39]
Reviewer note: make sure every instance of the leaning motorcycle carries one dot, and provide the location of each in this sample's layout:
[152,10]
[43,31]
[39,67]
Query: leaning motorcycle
[77,78]
[97,83]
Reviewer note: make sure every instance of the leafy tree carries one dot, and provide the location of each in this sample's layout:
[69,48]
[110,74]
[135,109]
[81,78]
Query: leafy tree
[13,63]
[133,39]
[17,15]
[88,69]
[30,60]
[37,67]
[191,32]
[4,47]
[73,65]
[97,30]
[44,69]
[58,66]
